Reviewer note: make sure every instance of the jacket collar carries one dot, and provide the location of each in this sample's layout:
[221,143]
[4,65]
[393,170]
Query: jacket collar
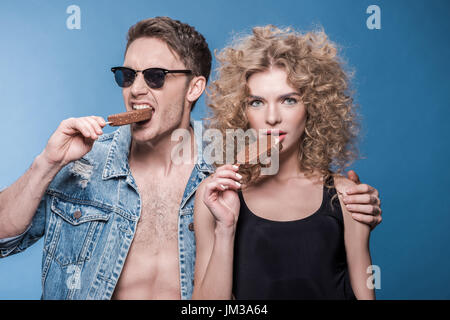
[117,161]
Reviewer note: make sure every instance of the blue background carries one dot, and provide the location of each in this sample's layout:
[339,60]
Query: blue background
[49,73]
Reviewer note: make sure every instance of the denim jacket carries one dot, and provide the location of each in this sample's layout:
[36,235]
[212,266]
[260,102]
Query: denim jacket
[88,218]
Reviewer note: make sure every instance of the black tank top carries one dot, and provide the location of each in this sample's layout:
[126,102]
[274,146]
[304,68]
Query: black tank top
[300,259]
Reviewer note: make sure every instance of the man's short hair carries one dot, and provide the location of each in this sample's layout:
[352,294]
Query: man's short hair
[188,43]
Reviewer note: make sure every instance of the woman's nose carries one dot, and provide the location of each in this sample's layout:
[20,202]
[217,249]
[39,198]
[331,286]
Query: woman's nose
[273,115]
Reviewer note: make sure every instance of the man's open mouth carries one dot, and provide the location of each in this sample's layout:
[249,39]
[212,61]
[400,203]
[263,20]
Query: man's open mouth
[141,107]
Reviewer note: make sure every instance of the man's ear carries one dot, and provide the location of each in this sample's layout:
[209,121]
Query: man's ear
[196,87]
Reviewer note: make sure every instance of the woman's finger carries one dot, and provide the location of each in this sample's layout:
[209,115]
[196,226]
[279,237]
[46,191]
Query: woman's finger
[231,167]
[228,174]
[222,184]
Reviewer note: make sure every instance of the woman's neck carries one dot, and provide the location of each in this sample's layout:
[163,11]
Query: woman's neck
[289,167]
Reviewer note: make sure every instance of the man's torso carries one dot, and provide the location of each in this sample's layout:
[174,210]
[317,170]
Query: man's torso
[151,269]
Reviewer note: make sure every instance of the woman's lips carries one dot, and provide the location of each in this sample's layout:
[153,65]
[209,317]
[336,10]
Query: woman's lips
[282,136]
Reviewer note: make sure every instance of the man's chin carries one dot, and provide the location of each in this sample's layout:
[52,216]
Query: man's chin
[140,134]
[142,125]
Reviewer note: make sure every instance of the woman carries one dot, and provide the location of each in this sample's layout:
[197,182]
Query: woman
[283,236]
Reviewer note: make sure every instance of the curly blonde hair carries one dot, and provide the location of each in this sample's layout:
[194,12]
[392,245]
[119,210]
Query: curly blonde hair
[328,144]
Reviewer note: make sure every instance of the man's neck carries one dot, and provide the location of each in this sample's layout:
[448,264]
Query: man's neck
[157,154]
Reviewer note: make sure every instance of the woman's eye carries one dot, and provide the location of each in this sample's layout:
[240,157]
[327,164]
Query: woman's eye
[290,101]
[256,103]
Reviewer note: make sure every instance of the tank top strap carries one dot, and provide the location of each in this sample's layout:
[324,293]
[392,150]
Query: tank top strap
[331,205]
[244,210]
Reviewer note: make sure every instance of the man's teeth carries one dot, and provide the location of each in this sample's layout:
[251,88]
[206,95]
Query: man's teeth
[141,106]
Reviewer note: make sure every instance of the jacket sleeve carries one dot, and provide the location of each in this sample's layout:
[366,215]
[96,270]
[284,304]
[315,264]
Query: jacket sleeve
[16,244]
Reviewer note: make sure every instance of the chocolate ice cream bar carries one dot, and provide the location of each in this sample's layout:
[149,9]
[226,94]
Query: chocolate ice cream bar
[128,117]
[252,153]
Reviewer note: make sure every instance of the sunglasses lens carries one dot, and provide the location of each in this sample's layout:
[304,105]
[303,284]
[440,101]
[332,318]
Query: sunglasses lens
[154,78]
[124,77]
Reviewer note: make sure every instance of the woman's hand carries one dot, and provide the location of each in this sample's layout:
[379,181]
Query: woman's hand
[221,196]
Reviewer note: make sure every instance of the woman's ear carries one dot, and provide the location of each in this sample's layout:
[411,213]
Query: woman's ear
[196,87]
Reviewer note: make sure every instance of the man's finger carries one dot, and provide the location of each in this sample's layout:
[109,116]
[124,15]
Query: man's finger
[360,188]
[366,219]
[366,209]
[361,199]
[353,176]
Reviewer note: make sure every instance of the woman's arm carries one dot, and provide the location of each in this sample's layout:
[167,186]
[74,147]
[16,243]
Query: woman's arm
[214,234]
[356,238]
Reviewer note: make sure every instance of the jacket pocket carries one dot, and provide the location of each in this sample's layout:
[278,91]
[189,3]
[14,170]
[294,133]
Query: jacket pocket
[74,230]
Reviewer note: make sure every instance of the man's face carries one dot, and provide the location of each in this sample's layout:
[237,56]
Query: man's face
[168,102]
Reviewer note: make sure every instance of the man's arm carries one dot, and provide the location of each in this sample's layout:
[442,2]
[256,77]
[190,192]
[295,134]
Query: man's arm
[18,203]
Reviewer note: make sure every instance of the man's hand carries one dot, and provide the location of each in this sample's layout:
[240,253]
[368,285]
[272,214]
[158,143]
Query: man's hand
[363,202]
[72,140]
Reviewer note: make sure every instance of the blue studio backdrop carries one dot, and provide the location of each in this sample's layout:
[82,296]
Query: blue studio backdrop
[53,68]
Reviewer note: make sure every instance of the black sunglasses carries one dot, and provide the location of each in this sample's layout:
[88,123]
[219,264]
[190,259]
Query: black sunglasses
[154,77]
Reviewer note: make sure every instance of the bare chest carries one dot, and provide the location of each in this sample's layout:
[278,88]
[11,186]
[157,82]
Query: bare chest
[158,224]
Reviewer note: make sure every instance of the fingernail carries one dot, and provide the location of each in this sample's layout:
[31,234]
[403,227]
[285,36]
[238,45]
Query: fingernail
[345,199]
[238,176]
[235,166]
[223,187]
[238,184]
[349,206]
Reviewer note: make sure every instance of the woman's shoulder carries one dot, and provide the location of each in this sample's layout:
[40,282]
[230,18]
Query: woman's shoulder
[342,184]
[352,226]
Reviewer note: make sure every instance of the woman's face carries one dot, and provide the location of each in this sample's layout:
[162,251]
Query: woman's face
[274,105]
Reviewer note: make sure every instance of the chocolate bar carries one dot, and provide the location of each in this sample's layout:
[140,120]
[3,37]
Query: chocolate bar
[128,117]
[252,153]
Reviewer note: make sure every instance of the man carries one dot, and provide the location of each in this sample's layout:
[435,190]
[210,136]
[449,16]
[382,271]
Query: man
[116,215]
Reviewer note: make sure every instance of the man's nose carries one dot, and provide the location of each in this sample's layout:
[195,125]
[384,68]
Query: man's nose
[139,86]
[273,115]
